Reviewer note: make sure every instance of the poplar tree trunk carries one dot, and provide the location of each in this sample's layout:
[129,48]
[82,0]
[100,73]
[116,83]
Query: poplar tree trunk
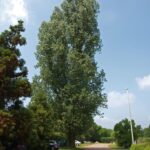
[71,140]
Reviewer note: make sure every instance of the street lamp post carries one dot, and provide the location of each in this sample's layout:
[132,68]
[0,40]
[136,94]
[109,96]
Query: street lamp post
[131,126]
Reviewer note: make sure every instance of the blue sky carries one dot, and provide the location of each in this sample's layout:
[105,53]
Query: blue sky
[125,32]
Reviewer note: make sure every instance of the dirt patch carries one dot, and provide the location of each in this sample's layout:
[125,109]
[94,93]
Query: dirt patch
[98,146]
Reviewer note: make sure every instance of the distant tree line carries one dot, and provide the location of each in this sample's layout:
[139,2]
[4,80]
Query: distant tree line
[97,133]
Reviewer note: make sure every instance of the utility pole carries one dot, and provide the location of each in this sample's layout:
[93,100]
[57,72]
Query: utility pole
[131,126]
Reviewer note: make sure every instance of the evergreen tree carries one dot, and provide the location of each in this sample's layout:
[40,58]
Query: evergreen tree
[65,53]
[14,86]
[13,82]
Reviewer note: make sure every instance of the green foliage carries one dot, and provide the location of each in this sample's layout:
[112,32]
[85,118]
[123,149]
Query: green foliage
[7,125]
[14,87]
[14,126]
[42,117]
[122,133]
[140,147]
[147,131]
[106,135]
[68,71]
[13,73]
[93,133]
[97,133]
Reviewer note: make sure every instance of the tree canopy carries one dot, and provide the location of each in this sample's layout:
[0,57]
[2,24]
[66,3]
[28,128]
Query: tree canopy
[65,53]
[13,74]
[122,133]
[14,87]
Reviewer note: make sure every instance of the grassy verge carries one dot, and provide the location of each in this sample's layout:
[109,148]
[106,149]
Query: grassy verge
[145,146]
[116,147]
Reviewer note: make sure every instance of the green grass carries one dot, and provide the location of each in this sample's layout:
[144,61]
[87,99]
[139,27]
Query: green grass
[115,147]
[145,146]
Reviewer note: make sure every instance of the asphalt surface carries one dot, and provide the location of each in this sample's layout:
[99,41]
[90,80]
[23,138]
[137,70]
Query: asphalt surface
[98,146]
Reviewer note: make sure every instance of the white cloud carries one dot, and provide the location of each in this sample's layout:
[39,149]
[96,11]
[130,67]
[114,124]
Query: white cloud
[117,99]
[144,82]
[12,10]
[105,122]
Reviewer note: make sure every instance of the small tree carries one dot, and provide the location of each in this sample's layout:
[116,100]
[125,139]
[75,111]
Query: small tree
[122,133]
[42,117]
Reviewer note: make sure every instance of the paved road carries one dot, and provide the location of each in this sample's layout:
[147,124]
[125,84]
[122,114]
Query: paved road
[98,146]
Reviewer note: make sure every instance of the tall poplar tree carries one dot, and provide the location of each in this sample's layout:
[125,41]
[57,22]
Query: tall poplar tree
[65,53]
